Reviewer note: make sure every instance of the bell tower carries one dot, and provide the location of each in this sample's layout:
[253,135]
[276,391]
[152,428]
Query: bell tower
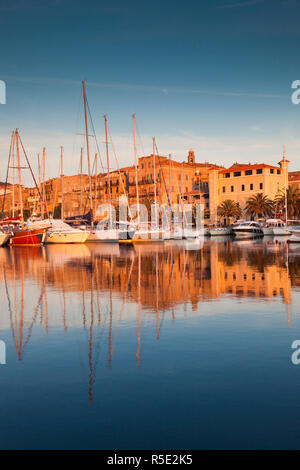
[191,157]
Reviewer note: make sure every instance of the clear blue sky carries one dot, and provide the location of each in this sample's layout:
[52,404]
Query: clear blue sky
[213,75]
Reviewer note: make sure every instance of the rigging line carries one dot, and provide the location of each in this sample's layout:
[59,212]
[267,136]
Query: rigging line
[33,177]
[179,192]
[7,171]
[78,116]
[117,162]
[92,123]
[163,177]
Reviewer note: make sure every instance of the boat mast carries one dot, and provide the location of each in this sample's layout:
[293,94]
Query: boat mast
[108,171]
[43,179]
[40,184]
[62,184]
[136,170]
[81,181]
[88,151]
[170,173]
[285,188]
[154,175]
[13,172]
[95,186]
[19,175]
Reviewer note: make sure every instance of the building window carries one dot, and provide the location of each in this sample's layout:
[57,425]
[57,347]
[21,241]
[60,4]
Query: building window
[260,186]
[259,171]
[272,171]
[227,175]
[243,187]
[224,189]
[237,173]
[232,189]
[251,187]
[142,165]
[248,172]
[278,172]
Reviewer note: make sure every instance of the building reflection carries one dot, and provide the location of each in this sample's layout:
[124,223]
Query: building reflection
[100,286]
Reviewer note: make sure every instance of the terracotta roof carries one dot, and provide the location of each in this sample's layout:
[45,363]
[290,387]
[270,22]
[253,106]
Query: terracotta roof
[249,166]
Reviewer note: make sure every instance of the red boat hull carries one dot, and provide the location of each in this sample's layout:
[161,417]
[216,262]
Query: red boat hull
[28,237]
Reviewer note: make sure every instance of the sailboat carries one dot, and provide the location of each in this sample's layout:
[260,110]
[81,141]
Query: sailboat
[4,237]
[59,231]
[144,232]
[22,234]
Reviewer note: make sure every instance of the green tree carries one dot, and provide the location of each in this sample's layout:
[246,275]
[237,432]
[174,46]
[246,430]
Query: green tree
[259,206]
[229,209]
[293,202]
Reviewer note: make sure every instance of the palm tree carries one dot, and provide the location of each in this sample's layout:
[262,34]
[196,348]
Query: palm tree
[293,201]
[259,206]
[229,209]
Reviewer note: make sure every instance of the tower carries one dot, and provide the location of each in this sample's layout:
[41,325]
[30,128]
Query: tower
[191,157]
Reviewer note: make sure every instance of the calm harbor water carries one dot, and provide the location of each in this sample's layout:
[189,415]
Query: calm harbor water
[183,345]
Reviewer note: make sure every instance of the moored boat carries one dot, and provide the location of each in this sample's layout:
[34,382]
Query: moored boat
[219,231]
[4,237]
[60,232]
[248,229]
[28,237]
[275,227]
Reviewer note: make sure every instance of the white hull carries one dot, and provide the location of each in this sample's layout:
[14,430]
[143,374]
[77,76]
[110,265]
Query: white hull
[280,231]
[268,231]
[4,237]
[187,233]
[246,235]
[276,231]
[107,236]
[214,232]
[72,236]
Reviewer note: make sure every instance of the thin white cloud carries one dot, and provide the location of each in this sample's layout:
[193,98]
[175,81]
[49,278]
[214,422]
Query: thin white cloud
[131,86]
[222,151]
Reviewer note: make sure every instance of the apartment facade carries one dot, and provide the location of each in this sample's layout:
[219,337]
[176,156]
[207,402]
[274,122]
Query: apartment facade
[240,182]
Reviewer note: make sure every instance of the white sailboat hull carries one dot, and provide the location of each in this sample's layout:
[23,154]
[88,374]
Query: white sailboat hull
[72,236]
[187,233]
[4,237]
[106,236]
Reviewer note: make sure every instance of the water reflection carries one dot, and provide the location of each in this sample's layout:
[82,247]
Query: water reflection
[102,288]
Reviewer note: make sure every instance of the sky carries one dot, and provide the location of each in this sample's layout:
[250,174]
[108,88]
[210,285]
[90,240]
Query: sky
[213,75]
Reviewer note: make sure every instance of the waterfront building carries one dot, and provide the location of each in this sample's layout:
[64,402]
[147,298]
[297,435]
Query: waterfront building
[176,182]
[239,182]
